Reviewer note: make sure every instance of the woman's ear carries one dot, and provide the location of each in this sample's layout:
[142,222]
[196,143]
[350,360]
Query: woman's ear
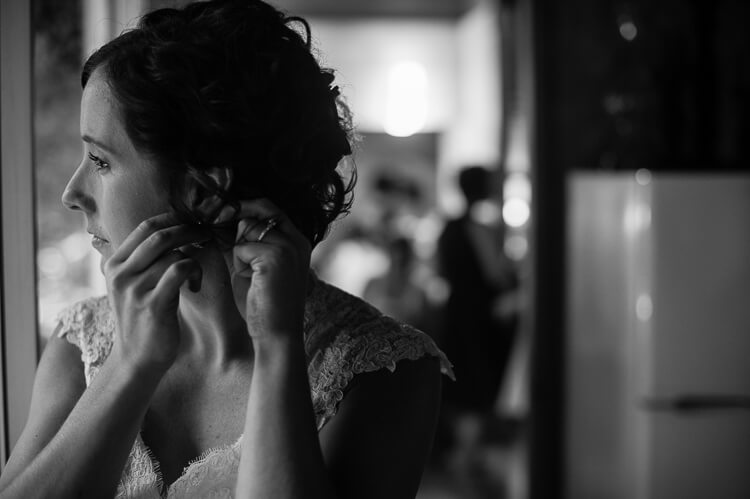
[202,191]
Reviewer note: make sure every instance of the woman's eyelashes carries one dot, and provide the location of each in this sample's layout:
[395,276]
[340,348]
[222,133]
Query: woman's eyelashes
[99,163]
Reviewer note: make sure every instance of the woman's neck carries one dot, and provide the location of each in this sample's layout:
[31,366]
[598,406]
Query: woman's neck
[213,331]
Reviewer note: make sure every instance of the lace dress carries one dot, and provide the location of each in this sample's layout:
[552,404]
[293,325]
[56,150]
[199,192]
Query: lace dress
[344,336]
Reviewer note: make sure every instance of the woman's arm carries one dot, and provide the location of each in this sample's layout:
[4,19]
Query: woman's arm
[76,440]
[376,446]
[380,439]
[281,455]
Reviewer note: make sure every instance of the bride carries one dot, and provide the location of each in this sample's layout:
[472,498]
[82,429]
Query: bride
[218,364]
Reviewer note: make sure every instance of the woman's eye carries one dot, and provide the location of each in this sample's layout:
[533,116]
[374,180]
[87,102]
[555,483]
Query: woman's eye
[98,162]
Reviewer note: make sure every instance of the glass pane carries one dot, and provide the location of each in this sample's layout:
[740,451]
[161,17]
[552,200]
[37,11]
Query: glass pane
[67,266]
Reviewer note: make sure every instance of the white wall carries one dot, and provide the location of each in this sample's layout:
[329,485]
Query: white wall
[363,51]
[462,61]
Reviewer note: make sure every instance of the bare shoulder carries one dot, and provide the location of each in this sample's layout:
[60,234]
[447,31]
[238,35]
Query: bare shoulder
[60,372]
[58,384]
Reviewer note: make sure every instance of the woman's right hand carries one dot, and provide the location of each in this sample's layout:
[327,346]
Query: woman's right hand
[144,276]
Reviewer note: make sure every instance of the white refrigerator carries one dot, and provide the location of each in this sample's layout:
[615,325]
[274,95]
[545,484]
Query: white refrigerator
[657,355]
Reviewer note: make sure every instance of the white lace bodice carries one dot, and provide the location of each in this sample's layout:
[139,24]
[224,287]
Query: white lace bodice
[344,336]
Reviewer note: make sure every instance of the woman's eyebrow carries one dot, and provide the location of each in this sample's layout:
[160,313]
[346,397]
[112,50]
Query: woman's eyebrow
[91,140]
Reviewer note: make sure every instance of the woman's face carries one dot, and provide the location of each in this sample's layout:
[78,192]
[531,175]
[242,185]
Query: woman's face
[115,186]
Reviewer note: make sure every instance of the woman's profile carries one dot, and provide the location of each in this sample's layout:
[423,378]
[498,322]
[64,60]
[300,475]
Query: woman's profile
[218,364]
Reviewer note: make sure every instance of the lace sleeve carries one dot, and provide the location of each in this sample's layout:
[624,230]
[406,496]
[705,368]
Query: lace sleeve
[372,346]
[88,325]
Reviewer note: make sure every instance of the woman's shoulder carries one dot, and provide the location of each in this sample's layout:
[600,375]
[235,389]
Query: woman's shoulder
[88,324]
[346,336]
[338,321]
[85,317]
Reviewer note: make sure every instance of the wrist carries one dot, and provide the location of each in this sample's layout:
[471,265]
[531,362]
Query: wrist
[278,348]
[134,369]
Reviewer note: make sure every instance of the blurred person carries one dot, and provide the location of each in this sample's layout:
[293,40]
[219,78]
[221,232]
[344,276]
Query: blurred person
[218,364]
[397,198]
[352,259]
[478,327]
[360,251]
[396,292]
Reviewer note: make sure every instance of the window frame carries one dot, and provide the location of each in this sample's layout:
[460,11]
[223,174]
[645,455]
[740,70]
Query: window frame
[18,298]
[19,326]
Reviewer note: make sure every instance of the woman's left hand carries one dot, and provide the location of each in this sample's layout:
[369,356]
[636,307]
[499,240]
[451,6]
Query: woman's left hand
[270,266]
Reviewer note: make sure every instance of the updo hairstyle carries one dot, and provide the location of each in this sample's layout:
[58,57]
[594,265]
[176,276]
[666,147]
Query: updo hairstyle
[232,83]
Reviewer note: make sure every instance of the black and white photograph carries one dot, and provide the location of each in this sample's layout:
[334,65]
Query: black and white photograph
[374,249]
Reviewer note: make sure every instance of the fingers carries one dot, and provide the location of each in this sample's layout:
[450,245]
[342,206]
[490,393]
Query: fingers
[254,217]
[163,241]
[149,278]
[266,238]
[270,240]
[250,259]
[249,229]
[168,287]
[275,249]
[256,208]
[152,239]
[140,233]
[253,230]
[150,253]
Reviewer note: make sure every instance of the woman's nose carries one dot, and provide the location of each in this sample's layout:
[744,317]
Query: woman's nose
[75,196]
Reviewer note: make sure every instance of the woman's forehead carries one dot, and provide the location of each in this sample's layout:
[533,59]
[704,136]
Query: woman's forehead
[100,117]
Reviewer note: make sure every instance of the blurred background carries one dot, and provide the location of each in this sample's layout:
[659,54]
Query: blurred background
[557,192]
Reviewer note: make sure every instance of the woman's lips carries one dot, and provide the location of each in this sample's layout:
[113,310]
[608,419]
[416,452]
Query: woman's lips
[98,242]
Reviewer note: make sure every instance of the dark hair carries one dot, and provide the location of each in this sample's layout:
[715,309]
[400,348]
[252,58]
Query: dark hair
[474,182]
[232,83]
